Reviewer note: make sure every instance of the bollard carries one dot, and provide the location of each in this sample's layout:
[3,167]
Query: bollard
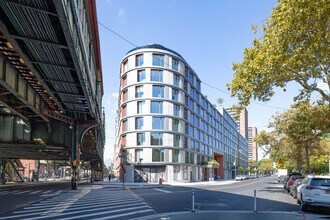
[193,200]
[255,201]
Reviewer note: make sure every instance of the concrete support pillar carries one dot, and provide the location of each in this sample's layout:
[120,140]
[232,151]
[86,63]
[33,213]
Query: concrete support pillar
[2,171]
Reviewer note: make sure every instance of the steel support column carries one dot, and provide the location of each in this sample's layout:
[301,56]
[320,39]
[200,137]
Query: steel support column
[74,156]
[2,171]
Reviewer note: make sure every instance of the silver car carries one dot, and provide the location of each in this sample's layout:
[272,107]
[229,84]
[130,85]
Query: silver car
[314,191]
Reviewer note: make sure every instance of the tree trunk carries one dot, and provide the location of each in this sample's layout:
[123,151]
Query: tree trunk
[307,160]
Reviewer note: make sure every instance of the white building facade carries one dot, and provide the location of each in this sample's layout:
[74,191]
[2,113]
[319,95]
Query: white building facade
[167,128]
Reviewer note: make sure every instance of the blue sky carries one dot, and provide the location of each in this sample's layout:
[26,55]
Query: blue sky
[210,35]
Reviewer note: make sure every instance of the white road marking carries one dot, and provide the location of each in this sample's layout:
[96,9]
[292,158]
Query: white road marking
[35,192]
[161,190]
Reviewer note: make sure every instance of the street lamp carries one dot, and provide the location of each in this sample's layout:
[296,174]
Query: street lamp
[235,169]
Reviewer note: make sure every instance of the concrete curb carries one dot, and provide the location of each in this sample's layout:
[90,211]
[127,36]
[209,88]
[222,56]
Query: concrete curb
[233,215]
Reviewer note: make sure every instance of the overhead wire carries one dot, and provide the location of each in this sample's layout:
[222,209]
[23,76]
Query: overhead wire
[207,84]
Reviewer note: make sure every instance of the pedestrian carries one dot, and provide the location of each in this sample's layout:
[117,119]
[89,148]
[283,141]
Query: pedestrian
[109,176]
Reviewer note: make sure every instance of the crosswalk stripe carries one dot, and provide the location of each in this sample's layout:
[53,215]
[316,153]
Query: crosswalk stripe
[36,209]
[4,192]
[35,192]
[125,214]
[81,204]
[98,213]
[60,199]
[48,204]
[54,194]
[161,190]
[105,205]
[21,192]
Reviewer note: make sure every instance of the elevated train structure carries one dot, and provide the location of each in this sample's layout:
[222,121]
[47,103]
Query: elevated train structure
[50,82]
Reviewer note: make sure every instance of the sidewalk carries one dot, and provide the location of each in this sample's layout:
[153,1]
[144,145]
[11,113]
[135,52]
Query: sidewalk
[232,215]
[118,184]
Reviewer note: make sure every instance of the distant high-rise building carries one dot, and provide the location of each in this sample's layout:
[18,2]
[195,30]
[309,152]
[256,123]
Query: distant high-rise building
[252,145]
[241,120]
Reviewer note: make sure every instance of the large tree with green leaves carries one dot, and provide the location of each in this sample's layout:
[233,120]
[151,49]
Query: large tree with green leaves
[294,47]
[299,133]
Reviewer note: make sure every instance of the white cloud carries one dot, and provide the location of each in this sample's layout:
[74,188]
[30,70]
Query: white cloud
[323,86]
[122,16]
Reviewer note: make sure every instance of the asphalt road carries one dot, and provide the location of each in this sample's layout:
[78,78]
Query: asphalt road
[19,195]
[238,196]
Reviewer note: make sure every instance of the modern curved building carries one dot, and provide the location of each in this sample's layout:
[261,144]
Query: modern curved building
[166,127]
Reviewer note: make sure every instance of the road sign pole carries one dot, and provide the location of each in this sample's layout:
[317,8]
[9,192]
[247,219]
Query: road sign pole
[193,200]
[255,201]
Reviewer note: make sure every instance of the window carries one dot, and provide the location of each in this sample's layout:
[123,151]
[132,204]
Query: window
[138,123]
[186,100]
[138,153]
[139,60]
[197,146]
[186,72]
[157,60]
[125,95]
[176,110]
[186,128]
[185,143]
[175,64]
[191,78]
[138,91]
[175,124]
[156,139]
[124,126]
[175,94]
[156,107]
[157,75]
[192,92]
[176,79]
[176,140]
[141,75]
[191,104]
[140,107]
[186,158]
[124,81]
[185,85]
[191,131]
[158,91]
[123,111]
[175,156]
[125,65]
[185,114]
[192,144]
[192,159]
[158,123]
[198,85]
[158,155]
[141,139]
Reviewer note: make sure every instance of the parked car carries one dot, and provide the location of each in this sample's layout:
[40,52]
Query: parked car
[288,177]
[239,177]
[291,180]
[314,191]
[281,178]
[293,188]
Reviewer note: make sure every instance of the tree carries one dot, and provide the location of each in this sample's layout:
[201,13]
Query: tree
[299,133]
[253,166]
[294,47]
[266,166]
